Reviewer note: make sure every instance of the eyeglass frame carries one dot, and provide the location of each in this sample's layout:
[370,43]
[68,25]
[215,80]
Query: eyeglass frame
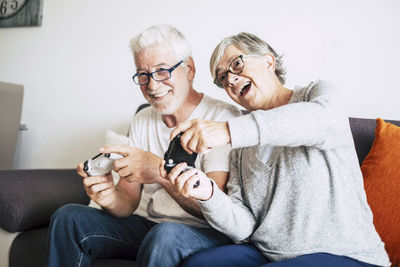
[230,68]
[150,75]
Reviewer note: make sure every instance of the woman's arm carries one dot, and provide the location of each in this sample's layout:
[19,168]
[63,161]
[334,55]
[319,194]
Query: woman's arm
[227,214]
[230,213]
[188,203]
[313,120]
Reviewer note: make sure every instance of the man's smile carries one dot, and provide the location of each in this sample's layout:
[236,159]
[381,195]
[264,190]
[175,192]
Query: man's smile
[159,94]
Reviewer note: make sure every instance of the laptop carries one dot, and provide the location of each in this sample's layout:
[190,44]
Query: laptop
[11,96]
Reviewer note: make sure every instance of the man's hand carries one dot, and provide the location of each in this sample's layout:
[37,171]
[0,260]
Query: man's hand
[201,135]
[184,182]
[137,165]
[100,189]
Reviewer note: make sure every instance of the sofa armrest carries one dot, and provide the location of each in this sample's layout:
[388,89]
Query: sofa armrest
[28,198]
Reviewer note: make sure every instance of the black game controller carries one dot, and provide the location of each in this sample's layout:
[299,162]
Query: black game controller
[176,154]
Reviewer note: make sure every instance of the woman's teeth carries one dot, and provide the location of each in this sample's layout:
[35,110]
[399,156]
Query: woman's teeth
[239,91]
[245,86]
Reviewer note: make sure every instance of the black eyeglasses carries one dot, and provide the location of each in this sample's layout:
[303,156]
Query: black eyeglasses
[236,67]
[159,75]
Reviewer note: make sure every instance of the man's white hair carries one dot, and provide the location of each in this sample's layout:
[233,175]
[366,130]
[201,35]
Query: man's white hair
[162,34]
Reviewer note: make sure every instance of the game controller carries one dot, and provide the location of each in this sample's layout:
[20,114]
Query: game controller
[176,154]
[101,164]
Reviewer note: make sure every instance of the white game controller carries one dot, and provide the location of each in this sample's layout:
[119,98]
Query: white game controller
[101,164]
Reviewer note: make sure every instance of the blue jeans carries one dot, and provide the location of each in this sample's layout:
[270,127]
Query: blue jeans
[246,255]
[78,234]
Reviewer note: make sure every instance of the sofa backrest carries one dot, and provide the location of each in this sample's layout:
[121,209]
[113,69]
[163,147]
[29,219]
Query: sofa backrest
[363,131]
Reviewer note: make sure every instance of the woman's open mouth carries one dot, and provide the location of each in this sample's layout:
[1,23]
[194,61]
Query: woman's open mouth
[242,91]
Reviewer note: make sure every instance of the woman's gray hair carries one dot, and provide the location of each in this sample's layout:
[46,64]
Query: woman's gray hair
[162,34]
[251,45]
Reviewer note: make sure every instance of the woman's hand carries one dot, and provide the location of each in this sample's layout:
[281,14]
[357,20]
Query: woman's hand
[201,135]
[185,182]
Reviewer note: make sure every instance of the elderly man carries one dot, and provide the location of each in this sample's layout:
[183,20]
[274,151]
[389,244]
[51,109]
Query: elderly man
[143,217]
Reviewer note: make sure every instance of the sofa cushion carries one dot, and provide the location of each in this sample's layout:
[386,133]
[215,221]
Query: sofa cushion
[29,248]
[363,131]
[28,198]
[381,171]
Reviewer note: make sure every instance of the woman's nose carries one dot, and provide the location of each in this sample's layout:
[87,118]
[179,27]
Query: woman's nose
[232,78]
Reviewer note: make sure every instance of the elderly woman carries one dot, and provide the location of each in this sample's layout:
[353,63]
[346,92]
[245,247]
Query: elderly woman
[295,194]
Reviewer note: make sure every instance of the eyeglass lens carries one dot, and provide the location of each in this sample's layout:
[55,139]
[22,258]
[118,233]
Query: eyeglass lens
[160,75]
[235,67]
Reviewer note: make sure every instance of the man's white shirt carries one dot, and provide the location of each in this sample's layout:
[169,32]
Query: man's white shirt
[149,132]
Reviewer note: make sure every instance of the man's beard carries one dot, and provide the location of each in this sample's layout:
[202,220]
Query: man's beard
[165,109]
[172,106]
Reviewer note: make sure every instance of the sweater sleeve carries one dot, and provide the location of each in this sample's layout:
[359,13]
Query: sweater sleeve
[229,214]
[312,118]
[218,158]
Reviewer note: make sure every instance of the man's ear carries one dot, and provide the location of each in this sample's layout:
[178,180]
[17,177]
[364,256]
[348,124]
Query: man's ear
[190,68]
[270,60]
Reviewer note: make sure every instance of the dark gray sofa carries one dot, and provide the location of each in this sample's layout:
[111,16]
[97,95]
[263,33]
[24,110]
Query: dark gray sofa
[29,197]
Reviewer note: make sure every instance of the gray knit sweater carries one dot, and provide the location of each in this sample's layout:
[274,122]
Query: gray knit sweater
[309,197]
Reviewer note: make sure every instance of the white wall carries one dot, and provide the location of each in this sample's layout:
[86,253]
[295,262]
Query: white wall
[77,68]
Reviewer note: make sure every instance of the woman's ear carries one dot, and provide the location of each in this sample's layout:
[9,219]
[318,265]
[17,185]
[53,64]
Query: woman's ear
[190,68]
[270,60]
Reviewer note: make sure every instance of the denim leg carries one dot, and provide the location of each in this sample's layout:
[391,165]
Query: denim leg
[319,259]
[168,244]
[79,234]
[238,255]
[246,255]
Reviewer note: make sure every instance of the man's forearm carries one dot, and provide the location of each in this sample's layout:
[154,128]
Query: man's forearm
[125,203]
[120,208]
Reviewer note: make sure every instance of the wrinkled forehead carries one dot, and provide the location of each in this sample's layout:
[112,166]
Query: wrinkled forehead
[154,55]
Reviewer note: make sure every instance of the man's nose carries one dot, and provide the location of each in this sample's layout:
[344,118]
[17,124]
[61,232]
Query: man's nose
[153,84]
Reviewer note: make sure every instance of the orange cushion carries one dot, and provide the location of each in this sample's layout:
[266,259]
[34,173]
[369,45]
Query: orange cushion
[381,171]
